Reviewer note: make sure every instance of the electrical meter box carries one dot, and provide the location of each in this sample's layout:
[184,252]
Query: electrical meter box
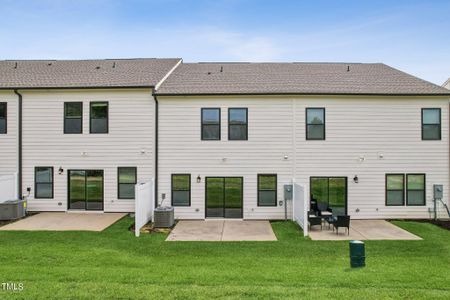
[438,190]
[288,192]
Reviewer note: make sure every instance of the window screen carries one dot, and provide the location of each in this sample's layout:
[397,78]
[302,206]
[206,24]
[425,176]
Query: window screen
[43,186]
[127,178]
[267,190]
[181,189]
[238,124]
[315,123]
[99,117]
[73,117]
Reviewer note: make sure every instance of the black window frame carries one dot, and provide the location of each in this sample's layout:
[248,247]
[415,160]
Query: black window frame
[36,183]
[386,189]
[424,188]
[118,182]
[231,124]
[80,118]
[5,117]
[172,190]
[271,190]
[90,116]
[307,124]
[440,123]
[328,178]
[203,125]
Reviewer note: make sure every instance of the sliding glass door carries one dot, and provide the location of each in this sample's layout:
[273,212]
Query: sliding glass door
[329,192]
[86,189]
[224,197]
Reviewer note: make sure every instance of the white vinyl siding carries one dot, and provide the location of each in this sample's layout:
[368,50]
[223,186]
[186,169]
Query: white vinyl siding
[370,137]
[181,151]
[129,142]
[365,136]
[9,141]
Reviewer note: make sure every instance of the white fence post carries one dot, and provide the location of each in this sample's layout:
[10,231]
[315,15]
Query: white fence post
[16,185]
[300,206]
[144,205]
[8,187]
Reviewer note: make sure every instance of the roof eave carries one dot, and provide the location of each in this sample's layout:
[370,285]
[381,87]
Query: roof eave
[79,87]
[301,94]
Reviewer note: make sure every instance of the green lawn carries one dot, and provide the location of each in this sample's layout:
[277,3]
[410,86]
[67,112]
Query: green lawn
[115,264]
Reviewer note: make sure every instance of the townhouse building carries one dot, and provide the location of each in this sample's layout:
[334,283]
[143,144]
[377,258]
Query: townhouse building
[222,140]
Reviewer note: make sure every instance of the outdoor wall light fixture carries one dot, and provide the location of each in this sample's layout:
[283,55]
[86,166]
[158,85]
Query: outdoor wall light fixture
[199,179]
[60,170]
[356,179]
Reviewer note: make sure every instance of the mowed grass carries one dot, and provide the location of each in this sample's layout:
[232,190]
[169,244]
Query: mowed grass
[115,264]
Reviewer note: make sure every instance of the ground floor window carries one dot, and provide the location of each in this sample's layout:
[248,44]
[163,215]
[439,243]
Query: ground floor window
[329,194]
[43,182]
[181,189]
[127,178]
[396,184]
[267,190]
[395,189]
[415,186]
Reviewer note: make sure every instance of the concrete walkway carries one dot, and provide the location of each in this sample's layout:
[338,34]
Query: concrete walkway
[222,230]
[60,221]
[363,230]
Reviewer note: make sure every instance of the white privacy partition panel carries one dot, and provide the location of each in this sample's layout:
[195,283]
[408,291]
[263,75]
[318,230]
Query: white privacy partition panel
[144,205]
[8,187]
[300,206]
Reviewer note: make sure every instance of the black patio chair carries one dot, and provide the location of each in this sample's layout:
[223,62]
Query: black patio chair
[331,219]
[342,221]
[323,209]
[314,220]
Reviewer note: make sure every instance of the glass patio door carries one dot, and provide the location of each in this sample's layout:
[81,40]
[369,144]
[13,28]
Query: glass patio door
[86,189]
[224,197]
[331,191]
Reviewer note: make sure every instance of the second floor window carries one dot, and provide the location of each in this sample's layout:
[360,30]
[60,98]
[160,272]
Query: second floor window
[99,117]
[237,124]
[73,117]
[2,117]
[431,123]
[211,124]
[315,123]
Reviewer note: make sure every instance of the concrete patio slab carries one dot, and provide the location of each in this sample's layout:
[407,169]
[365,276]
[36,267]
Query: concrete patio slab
[363,230]
[222,230]
[248,231]
[197,231]
[61,221]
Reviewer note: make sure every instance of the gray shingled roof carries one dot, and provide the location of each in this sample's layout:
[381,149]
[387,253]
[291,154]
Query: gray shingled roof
[84,73]
[293,78]
[447,84]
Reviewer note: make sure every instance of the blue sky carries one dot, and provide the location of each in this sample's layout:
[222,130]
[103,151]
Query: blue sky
[413,36]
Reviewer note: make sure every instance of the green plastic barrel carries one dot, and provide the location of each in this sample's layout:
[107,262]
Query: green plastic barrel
[357,254]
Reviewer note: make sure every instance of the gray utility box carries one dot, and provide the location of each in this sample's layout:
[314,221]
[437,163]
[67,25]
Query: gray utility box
[288,192]
[12,209]
[163,217]
[438,191]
